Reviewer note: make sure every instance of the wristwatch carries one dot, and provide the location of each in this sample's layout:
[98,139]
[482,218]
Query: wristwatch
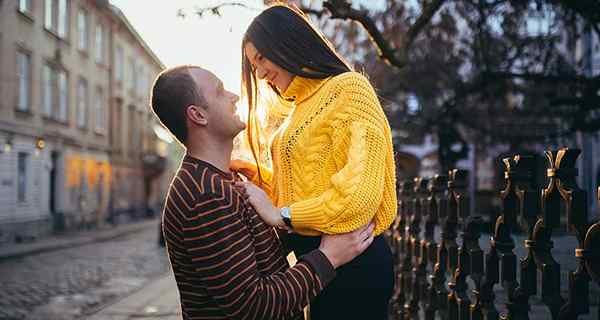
[285,215]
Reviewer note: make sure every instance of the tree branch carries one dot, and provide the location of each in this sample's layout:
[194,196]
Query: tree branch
[545,78]
[314,12]
[398,57]
[341,9]
[216,9]
[422,21]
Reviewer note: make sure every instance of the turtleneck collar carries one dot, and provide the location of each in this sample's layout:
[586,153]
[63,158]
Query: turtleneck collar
[302,88]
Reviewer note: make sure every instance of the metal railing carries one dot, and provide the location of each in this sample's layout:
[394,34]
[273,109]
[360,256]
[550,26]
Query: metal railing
[443,273]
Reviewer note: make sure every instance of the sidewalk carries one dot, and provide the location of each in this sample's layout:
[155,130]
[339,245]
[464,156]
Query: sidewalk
[157,300]
[12,251]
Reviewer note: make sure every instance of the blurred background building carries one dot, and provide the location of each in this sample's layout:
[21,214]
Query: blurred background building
[79,146]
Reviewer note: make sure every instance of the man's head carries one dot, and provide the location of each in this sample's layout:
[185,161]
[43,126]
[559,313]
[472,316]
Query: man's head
[189,99]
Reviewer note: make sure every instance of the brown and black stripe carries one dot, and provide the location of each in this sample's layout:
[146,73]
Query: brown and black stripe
[227,262]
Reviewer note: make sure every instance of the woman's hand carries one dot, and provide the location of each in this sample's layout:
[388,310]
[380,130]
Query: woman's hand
[244,167]
[262,204]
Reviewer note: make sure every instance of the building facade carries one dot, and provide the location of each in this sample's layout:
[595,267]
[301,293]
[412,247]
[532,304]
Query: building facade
[136,154]
[69,119]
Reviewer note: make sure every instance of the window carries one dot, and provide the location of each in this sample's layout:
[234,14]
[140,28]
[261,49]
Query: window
[63,19]
[132,124]
[22,176]
[56,17]
[82,30]
[55,93]
[100,111]
[82,103]
[99,40]
[132,72]
[116,128]
[24,76]
[47,99]
[49,20]
[63,97]
[140,80]
[139,136]
[25,6]
[119,64]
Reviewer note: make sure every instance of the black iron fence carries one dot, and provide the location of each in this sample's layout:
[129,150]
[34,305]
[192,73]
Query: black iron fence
[444,273]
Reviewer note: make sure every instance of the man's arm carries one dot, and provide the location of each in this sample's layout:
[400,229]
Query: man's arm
[284,237]
[223,257]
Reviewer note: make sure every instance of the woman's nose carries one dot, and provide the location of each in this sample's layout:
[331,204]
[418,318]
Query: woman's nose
[261,73]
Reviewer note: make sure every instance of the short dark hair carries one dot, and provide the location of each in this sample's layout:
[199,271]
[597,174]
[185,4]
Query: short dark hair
[173,91]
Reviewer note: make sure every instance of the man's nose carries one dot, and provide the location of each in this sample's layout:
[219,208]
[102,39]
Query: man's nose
[235,98]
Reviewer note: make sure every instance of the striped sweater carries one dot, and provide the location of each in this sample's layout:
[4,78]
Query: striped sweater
[227,262]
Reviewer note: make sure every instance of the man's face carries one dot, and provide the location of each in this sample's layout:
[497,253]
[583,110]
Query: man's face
[222,119]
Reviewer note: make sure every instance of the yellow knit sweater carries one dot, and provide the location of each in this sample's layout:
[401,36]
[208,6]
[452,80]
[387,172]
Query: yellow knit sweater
[333,162]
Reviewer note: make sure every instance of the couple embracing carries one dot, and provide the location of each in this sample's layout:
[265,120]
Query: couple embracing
[328,196]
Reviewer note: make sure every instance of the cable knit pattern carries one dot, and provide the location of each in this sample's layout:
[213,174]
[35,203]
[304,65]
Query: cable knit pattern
[333,161]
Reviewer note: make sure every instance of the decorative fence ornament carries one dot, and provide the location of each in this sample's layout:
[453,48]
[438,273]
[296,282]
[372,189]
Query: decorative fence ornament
[450,277]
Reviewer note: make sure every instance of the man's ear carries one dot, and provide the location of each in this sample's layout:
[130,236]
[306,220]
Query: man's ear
[197,115]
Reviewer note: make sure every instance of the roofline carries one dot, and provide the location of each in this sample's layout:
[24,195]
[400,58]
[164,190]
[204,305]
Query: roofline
[121,17]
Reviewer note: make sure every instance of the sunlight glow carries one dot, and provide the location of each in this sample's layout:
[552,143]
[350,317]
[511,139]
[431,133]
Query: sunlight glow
[212,42]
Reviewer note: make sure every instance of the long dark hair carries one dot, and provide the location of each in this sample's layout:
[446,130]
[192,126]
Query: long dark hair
[283,35]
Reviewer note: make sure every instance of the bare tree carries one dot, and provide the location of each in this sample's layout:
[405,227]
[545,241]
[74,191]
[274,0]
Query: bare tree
[481,71]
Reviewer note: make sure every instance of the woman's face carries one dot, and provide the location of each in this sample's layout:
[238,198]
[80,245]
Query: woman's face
[266,69]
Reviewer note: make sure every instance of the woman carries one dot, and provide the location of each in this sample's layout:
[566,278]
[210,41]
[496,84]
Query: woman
[333,166]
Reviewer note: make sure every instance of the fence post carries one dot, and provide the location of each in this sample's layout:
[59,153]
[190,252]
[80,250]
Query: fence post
[575,205]
[428,246]
[439,205]
[590,252]
[419,264]
[424,204]
[403,252]
[528,205]
[458,301]
[551,209]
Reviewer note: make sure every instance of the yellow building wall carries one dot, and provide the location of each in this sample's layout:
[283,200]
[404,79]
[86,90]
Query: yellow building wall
[92,198]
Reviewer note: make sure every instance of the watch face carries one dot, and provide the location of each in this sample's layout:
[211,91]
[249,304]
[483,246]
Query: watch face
[285,215]
[285,212]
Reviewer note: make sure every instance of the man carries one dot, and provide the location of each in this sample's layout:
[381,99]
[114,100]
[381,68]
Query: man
[227,262]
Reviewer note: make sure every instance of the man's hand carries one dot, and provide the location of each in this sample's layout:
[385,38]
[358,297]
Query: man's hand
[262,204]
[342,248]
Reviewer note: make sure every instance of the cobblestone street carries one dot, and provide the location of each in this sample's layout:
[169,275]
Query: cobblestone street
[69,283]
[128,277]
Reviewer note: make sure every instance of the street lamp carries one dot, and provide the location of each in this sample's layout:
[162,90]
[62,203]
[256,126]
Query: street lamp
[40,144]
[8,144]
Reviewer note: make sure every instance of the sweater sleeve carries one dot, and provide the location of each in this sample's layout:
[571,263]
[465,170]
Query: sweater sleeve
[250,170]
[224,258]
[355,191]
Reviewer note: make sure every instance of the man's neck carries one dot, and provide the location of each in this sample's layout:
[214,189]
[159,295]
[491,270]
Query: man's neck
[217,153]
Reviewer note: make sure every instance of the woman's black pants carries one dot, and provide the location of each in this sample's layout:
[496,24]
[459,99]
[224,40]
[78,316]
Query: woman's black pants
[361,289]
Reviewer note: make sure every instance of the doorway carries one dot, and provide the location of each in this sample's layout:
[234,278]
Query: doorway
[58,218]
